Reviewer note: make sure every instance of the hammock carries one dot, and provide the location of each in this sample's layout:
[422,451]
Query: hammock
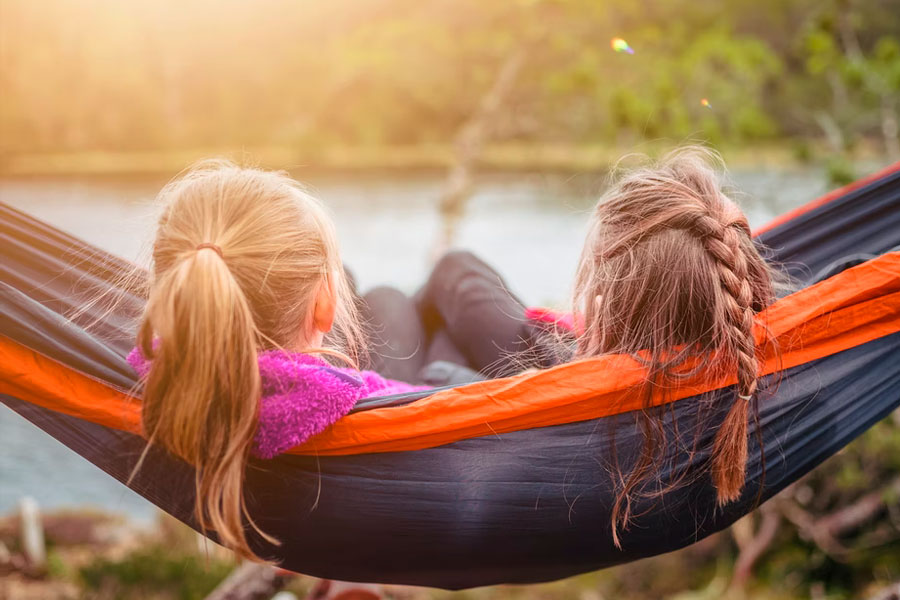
[496,481]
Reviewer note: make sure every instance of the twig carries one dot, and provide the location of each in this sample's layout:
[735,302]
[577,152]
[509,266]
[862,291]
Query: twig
[752,549]
[825,531]
[469,143]
[851,517]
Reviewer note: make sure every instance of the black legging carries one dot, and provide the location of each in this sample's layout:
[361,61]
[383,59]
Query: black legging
[464,315]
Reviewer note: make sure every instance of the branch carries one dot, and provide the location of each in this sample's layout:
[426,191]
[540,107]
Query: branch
[864,509]
[469,144]
[806,526]
[890,130]
[825,531]
[831,129]
[752,549]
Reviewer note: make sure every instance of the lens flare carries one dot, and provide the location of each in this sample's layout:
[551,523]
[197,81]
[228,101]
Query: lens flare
[620,45]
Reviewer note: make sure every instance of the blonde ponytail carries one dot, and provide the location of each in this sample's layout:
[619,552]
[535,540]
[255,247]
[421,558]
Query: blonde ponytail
[238,258]
[201,396]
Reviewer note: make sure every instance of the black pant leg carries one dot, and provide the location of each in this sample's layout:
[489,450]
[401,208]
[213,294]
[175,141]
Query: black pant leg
[485,321]
[396,334]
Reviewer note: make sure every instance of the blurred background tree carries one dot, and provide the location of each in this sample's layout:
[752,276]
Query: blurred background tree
[120,76]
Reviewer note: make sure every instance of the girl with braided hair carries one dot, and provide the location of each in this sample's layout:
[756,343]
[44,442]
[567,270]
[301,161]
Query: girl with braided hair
[669,273]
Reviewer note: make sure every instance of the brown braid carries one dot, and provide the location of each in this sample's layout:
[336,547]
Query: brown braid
[729,457]
[670,275]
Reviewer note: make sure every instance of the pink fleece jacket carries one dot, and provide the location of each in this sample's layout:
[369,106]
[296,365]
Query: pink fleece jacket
[301,396]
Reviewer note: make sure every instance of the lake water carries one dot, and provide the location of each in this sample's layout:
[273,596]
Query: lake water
[529,227]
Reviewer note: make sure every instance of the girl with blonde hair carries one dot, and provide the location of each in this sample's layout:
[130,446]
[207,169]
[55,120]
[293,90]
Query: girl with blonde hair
[246,281]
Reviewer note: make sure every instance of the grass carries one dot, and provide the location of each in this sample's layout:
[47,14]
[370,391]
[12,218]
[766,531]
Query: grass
[155,571]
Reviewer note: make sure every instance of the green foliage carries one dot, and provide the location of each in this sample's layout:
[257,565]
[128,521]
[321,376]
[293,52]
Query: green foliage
[107,75]
[154,571]
[854,66]
[56,566]
[802,151]
[839,171]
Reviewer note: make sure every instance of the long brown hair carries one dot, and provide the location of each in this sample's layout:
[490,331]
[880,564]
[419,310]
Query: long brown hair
[238,258]
[670,274]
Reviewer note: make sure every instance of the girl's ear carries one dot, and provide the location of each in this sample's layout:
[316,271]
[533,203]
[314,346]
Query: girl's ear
[323,313]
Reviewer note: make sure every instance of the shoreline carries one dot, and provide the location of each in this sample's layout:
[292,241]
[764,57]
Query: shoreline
[420,158]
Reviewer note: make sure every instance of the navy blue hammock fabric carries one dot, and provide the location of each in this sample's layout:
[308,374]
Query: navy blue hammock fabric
[525,506]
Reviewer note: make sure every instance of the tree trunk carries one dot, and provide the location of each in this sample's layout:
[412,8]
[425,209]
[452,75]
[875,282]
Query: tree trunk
[889,129]
[469,144]
[752,549]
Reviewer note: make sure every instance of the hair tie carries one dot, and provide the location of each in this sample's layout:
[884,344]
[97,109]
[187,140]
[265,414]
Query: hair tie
[213,247]
[746,398]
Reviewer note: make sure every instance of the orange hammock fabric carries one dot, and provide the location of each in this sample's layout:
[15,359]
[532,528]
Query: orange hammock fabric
[844,311]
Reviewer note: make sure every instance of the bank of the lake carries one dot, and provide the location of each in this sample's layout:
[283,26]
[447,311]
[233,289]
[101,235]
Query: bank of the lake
[400,160]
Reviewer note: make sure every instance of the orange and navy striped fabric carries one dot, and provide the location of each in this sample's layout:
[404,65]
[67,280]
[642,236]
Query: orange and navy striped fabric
[852,308]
